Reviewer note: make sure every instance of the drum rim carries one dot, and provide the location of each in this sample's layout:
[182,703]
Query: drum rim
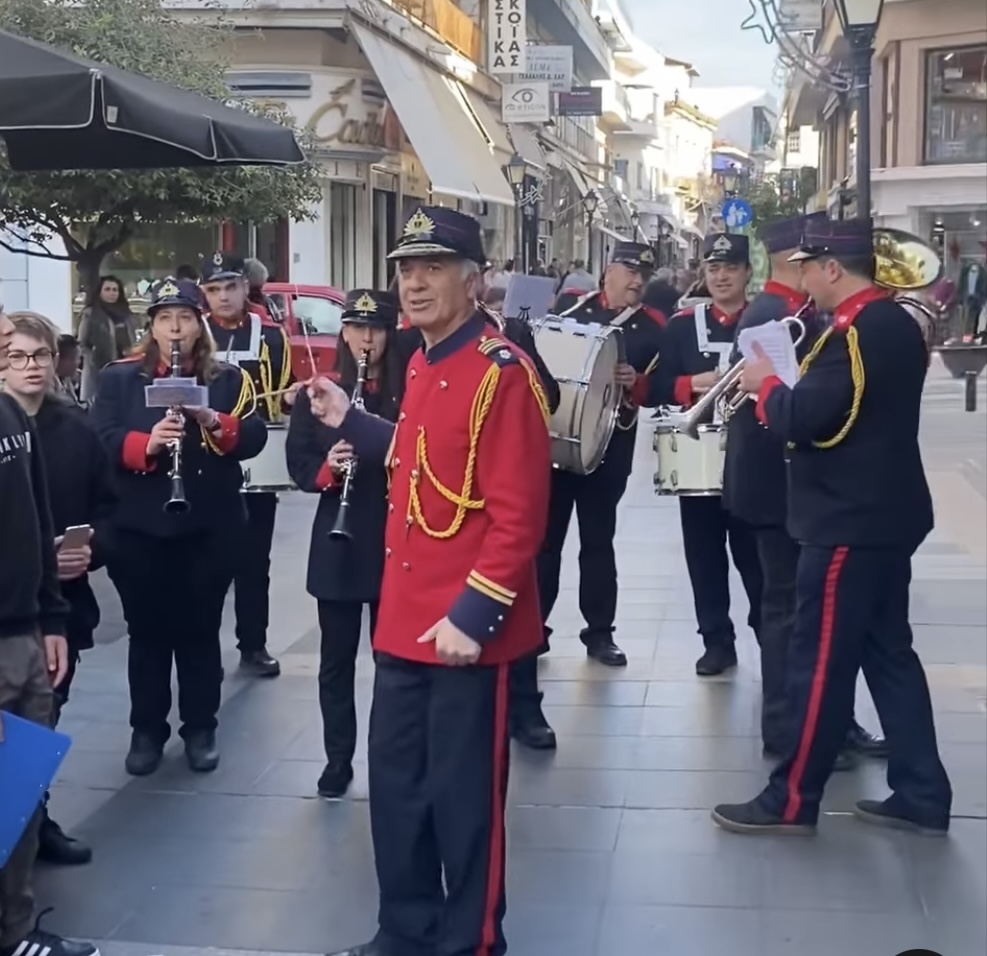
[611,417]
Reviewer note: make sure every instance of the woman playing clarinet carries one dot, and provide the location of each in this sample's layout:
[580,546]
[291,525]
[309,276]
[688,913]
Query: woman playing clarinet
[346,558]
[179,521]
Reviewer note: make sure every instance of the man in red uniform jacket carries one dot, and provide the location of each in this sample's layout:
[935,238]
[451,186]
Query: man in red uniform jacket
[469,467]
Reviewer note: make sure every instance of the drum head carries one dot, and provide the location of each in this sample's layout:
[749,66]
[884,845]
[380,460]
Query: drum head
[600,402]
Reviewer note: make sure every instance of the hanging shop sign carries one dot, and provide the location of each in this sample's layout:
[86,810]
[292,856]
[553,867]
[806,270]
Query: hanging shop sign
[507,36]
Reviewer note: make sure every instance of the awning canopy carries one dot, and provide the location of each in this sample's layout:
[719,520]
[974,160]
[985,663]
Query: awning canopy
[526,144]
[495,130]
[432,109]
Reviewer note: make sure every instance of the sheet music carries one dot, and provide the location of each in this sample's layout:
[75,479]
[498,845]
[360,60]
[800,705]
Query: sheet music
[528,297]
[775,341]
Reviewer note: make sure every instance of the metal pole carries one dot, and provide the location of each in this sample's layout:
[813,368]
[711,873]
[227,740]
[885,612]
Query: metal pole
[589,244]
[518,233]
[863,54]
[971,391]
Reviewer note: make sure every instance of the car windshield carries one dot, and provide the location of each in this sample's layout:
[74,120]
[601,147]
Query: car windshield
[316,315]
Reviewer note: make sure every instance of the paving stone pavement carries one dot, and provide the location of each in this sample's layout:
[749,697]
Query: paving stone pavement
[611,849]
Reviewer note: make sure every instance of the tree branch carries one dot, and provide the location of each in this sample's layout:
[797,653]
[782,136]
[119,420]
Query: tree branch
[35,253]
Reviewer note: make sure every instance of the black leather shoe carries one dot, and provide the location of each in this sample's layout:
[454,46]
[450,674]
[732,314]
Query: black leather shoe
[363,949]
[59,849]
[201,751]
[533,731]
[866,744]
[752,818]
[259,663]
[604,651]
[882,814]
[335,780]
[717,660]
[144,756]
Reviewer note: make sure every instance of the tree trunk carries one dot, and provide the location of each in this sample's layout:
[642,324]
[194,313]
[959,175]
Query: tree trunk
[89,266]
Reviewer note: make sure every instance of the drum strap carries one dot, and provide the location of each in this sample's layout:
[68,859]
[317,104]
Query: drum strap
[722,349]
[252,352]
[619,320]
[580,303]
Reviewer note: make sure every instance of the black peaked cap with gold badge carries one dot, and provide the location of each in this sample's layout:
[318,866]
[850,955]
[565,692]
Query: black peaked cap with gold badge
[636,255]
[828,237]
[435,231]
[726,247]
[175,292]
[378,310]
[222,267]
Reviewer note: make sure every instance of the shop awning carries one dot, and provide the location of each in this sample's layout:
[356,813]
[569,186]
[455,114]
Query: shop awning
[431,108]
[526,143]
[493,128]
[583,185]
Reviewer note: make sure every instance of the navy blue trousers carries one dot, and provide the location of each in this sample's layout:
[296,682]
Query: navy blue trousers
[438,762]
[852,615]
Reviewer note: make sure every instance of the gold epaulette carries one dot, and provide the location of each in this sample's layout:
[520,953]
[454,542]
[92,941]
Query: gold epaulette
[500,352]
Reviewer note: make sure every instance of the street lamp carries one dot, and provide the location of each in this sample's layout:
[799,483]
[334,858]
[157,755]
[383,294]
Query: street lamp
[515,171]
[590,201]
[635,222]
[859,20]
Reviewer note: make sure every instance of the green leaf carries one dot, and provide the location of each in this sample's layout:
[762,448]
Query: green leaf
[95,212]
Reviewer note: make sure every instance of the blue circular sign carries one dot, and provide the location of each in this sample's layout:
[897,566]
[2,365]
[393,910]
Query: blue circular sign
[737,213]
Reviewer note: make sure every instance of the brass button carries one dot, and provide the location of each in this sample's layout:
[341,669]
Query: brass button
[414,474]
[412,373]
[387,552]
[402,417]
[395,462]
[443,384]
[390,507]
[406,566]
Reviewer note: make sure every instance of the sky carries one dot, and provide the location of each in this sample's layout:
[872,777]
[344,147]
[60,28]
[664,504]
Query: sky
[707,34]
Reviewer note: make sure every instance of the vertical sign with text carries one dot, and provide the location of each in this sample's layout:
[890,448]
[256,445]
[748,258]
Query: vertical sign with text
[507,36]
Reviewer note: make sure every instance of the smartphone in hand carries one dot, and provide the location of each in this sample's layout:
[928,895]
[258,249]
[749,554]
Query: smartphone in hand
[78,536]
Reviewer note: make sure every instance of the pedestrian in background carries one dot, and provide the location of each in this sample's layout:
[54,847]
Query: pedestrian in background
[107,330]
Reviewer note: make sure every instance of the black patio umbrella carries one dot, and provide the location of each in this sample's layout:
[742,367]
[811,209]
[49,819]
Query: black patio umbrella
[60,111]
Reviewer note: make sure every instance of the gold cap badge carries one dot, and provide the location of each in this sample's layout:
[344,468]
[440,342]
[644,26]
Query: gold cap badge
[365,304]
[168,290]
[722,245]
[647,257]
[419,226]
[217,260]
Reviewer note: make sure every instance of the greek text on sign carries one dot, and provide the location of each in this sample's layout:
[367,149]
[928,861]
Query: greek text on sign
[507,32]
[525,103]
[548,64]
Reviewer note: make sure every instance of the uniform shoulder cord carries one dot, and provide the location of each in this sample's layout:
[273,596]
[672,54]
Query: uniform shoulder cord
[856,374]
[245,404]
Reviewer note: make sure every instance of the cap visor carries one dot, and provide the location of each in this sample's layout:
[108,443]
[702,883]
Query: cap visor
[222,276]
[802,255]
[423,250]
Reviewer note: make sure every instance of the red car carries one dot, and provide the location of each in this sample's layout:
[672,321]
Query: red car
[312,316]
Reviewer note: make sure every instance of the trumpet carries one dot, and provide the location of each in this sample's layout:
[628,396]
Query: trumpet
[177,504]
[726,396]
[340,528]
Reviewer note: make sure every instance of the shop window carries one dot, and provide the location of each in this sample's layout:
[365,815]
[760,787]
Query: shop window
[956,106]
[794,144]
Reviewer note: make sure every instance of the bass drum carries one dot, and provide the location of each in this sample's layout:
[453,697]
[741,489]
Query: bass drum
[690,467]
[583,359]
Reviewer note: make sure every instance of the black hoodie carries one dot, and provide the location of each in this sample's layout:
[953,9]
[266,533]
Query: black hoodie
[29,595]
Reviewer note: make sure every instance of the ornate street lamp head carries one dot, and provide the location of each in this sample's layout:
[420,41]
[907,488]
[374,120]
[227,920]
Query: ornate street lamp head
[516,170]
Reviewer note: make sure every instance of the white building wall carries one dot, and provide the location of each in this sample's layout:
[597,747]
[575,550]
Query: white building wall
[41,285]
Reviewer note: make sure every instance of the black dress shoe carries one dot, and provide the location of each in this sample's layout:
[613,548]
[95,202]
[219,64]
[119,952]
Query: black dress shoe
[533,731]
[865,743]
[57,848]
[603,650]
[335,780]
[363,949]
[752,818]
[201,751]
[259,663]
[882,813]
[717,660]
[144,756]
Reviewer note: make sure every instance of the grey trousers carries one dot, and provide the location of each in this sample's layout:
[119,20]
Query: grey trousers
[25,690]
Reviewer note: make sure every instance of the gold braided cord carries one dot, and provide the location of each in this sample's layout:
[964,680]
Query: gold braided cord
[856,374]
[285,359]
[243,407]
[482,402]
[536,386]
[653,364]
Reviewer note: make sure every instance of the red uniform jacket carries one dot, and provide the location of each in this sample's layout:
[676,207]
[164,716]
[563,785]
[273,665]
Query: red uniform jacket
[470,468]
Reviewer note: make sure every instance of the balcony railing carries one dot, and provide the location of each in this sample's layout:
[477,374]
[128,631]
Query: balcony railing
[449,22]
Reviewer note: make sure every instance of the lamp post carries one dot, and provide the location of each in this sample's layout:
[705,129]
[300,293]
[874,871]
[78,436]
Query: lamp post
[515,171]
[590,201]
[859,20]
[635,223]
[729,179]
[663,252]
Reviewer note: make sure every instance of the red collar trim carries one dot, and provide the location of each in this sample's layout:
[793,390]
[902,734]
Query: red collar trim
[228,325]
[794,299]
[726,319]
[847,311]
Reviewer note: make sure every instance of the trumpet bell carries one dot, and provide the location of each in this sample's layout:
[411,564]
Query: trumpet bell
[904,262]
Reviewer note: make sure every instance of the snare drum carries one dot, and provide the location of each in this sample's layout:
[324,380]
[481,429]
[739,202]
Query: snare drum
[688,467]
[269,470]
[582,358]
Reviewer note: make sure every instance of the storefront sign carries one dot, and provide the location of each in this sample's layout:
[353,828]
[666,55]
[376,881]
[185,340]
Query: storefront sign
[351,114]
[548,64]
[507,33]
[581,101]
[800,16]
[525,103]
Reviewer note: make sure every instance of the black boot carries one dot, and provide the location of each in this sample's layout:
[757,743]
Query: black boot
[601,647]
[860,741]
[753,818]
[335,780]
[55,847]
[201,752]
[530,729]
[259,663]
[717,659]
[144,756]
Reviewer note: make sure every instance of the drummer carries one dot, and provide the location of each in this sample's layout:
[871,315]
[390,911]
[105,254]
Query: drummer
[595,497]
[696,352]
[262,349]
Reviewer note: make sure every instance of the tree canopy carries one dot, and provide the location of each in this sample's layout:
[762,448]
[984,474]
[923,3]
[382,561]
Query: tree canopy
[94,213]
[781,196]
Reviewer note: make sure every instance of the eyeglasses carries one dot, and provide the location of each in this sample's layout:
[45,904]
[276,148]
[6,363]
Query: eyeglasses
[19,361]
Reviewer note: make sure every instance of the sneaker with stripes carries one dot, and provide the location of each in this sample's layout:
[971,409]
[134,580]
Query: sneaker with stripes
[40,942]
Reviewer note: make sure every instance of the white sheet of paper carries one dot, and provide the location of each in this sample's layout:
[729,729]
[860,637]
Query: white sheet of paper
[775,341]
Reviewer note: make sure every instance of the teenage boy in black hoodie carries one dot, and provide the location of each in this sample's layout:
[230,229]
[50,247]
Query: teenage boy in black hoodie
[33,649]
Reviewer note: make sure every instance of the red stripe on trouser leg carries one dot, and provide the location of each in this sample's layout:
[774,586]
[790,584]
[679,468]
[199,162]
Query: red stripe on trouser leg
[818,689]
[495,871]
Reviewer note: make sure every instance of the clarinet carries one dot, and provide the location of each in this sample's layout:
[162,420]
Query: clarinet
[341,528]
[177,503]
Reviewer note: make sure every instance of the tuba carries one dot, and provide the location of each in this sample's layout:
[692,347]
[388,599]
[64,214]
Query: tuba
[177,504]
[340,528]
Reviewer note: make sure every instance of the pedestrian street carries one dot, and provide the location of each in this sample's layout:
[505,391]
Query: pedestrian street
[612,852]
